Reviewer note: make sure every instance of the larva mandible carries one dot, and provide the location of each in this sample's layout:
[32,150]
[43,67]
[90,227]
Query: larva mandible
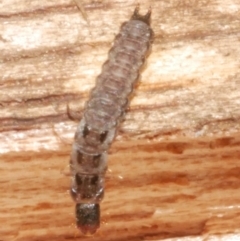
[101,116]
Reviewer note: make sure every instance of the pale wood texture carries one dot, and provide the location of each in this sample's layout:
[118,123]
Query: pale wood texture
[174,166]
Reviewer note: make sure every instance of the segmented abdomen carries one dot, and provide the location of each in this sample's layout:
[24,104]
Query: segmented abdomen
[109,99]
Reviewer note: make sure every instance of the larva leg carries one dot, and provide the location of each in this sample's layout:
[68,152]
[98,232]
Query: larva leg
[73,116]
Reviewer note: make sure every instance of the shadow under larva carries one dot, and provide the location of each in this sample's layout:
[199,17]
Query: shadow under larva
[102,115]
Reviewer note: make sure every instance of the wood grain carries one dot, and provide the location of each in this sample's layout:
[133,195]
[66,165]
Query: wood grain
[174,166]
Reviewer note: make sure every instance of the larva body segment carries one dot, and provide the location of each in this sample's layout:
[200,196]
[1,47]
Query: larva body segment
[119,74]
[101,116]
[109,99]
[88,176]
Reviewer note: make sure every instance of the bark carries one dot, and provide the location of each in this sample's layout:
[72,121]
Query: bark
[174,166]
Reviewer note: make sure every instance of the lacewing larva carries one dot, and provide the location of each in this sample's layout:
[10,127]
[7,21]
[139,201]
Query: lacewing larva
[101,117]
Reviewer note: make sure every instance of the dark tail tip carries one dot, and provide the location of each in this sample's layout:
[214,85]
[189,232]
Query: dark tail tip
[144,18]
[88,217]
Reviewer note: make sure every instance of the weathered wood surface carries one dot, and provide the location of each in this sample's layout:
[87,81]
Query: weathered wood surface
[174,167]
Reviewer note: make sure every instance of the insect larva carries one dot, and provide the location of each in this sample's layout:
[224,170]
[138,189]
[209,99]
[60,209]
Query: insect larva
[102,114]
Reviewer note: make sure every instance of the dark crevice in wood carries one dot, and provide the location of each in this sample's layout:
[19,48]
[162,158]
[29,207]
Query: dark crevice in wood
[20,124]
[43,100]
[67,8]
[64,50]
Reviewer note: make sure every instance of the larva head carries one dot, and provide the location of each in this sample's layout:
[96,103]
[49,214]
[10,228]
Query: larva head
[144,18]
[88,217]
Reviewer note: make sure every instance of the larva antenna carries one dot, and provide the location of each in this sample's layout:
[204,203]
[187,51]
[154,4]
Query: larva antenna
[144,18]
